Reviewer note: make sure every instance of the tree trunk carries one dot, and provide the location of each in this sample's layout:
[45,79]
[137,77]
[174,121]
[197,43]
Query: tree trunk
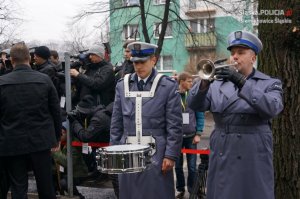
[164,25]
[144,22]
[280,57]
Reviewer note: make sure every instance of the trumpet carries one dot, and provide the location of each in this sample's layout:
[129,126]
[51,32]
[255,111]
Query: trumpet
[206,69]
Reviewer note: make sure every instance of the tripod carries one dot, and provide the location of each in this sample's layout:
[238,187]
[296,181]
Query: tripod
[199,187]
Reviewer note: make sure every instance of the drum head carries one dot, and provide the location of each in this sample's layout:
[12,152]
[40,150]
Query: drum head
[125,147]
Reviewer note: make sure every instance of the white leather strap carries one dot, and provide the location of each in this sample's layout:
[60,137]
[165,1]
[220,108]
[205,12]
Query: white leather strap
[138,95]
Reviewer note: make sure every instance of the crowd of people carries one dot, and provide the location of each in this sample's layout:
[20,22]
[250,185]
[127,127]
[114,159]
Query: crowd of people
[105,109]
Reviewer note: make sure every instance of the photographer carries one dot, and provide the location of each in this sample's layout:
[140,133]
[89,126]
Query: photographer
[90,123]
[98,80]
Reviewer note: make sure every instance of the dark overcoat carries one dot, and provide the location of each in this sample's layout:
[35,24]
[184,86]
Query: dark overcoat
[98,81]
[30,118]
[241,147]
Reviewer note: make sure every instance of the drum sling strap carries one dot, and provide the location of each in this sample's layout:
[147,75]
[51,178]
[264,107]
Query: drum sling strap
[138,95]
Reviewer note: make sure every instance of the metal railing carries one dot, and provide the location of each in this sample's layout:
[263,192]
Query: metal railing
[200,40]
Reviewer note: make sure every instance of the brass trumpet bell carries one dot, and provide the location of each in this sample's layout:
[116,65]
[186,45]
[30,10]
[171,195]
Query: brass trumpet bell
[206,69]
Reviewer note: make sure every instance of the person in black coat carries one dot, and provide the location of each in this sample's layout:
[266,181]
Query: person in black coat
[127,66]
[30,125]
[98,80]
[92,123]
[42,64]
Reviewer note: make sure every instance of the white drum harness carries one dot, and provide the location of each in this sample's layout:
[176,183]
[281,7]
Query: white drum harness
[138,95]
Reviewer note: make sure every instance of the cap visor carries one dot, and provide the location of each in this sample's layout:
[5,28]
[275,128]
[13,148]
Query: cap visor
[238,45]
[135,59]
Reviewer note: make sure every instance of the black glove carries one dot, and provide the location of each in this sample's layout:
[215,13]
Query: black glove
[72,116]
[205,84]
[232,75]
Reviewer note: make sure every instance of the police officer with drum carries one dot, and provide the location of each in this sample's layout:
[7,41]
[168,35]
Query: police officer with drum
[147,108]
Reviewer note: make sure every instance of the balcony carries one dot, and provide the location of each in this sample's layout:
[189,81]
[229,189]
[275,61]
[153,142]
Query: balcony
[200,41]
[199,8]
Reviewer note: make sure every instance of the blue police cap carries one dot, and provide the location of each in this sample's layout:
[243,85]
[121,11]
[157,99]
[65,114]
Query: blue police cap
[245,39]
[141,51]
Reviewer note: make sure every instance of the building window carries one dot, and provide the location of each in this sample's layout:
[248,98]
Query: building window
[157,2]
[202,25]
[130,2]
[192,4]
[131,32]
[165,63]
[157,30]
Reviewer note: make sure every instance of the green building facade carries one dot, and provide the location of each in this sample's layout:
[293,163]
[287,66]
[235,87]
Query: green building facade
[192,34]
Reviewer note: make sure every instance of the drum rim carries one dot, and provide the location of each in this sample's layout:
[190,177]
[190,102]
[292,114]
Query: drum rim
[141,148]
[123,171]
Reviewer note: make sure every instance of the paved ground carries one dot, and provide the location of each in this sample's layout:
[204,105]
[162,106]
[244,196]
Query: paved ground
[103,189]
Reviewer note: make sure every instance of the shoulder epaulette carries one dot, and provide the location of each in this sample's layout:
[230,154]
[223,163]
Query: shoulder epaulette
[170,78]
[121,79]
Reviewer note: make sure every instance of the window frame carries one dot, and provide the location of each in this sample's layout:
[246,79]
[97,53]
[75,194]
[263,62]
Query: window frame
[161,62]
[159,2]
[126,3]
[128,29]
[192,4]
[156,35]
[202,25]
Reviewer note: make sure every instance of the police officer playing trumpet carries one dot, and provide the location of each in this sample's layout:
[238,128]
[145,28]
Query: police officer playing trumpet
[243,101]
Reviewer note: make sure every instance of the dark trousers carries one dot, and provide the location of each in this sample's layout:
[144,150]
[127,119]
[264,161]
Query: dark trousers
[4,182]
[191,164]
[17,169]
[115,182]
[76,182]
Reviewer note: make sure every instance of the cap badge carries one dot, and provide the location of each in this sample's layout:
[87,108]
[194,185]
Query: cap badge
[137,47]
[238,34]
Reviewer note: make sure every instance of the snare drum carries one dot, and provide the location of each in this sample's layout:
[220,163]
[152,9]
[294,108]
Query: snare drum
[126,158]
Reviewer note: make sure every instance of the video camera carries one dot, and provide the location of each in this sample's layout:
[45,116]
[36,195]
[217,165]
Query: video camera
[82,60]
[74,113]
[77,115]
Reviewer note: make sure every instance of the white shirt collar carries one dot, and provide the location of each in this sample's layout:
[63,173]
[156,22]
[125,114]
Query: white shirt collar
[145,80]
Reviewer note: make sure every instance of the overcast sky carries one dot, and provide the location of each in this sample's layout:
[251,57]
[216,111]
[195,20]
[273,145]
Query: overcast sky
[46,20]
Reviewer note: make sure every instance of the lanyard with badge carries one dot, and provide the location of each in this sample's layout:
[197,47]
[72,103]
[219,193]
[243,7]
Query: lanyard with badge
[185,116]
[86,149]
